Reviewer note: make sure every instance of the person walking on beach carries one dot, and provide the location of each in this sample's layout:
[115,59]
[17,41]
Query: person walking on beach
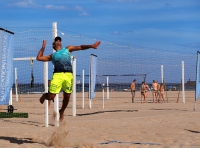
[62,76]
[162,98]
[155,91]
[158,92]
[133,89]
[146,87]
[142,90]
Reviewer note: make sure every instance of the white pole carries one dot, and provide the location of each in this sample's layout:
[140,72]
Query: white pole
[46,77]
[74,87]
[103,96]
[56,109]
[162,78]
[26,58]
[10,101]
[46,114]
[16,91]
[54,28]
[107,88]
[83,91]
[56,99]
[183,83]
[46,91]
[90,100]
[162,74]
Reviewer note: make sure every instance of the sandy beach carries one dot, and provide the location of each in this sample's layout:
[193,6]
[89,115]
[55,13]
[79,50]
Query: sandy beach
[120,124]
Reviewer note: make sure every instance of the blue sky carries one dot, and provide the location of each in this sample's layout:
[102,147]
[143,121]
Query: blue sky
[170,25]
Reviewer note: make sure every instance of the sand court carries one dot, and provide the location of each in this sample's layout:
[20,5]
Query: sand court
[119,124]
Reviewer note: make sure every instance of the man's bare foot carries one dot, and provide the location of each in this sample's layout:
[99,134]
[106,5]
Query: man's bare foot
[44,96]
[61,115]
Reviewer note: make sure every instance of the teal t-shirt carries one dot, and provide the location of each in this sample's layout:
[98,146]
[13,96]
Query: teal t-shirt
[61,60]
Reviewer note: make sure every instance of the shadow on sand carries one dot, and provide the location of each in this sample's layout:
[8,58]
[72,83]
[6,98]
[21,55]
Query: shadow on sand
[17,140]
[121,142]
[100,112]
[166,109]
[197,132]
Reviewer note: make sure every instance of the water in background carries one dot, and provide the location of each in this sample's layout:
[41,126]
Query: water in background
[39,88]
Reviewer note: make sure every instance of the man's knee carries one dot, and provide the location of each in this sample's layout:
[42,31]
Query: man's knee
[51,96]
[66,95]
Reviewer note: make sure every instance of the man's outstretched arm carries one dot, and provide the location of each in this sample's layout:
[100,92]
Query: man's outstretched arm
[83,47]
[40,56]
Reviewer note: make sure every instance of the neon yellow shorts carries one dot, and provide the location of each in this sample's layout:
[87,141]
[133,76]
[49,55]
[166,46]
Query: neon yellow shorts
[62,80]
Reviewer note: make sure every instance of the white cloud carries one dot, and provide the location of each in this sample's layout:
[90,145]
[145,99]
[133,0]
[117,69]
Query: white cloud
[76,8]
[31,3]
[116,33]
[55,7]
[23,4]
[84,13]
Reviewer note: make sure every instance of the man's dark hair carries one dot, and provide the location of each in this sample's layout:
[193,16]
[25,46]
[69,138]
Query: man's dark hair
[57,38]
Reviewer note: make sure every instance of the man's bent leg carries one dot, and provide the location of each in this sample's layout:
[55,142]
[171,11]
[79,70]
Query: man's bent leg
[47,96]
[43,97]
[66,98]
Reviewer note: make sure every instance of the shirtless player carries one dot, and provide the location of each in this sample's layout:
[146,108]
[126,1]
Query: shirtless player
[133,89]
[155,91]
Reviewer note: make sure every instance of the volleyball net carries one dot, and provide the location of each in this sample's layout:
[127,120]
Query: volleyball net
[116,67]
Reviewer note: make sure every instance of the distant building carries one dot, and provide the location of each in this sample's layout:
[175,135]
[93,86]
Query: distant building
[191,82]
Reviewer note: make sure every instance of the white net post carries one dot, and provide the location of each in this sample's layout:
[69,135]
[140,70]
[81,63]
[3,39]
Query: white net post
[46,91]
[89,96]
[103,98]
[74,87]
[83,94]
[107,87]
[56,109]
[10,101]
[56,99]
[162,79]
[183,82]
[162,74]
[16,90]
